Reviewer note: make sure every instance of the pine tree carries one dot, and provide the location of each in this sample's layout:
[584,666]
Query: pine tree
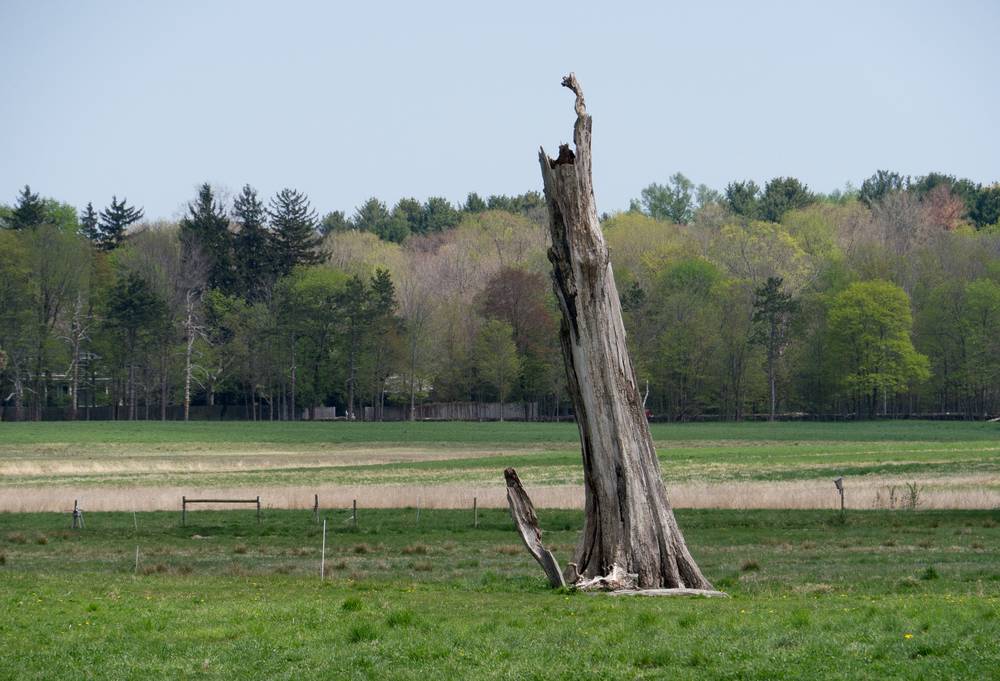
[207,227]
[29,212]
[253,246]
[334,222]
[115,220]
[293,222]
[89,228]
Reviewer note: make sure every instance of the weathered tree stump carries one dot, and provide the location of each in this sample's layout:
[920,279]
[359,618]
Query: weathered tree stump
[523,513]
[630,537]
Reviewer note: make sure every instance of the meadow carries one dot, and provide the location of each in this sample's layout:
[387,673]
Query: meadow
[872,594]
[416,591]
[149,465]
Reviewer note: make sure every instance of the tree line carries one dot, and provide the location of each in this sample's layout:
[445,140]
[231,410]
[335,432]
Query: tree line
[749,301]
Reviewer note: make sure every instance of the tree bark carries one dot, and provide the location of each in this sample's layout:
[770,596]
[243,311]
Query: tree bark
[523,513]
[630,527]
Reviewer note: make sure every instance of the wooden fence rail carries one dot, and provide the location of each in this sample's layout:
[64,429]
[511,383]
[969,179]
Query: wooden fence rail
[185,501]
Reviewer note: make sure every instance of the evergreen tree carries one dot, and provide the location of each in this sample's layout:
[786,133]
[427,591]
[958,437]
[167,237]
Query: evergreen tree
[252,245]
[743,198]
[438,215]
[115,220]
[474,203]
[881,183]
[29,211]
[207,227]
[89,226]
[334,221]
[410,212]
[372,216]
[293,222]
[781,195]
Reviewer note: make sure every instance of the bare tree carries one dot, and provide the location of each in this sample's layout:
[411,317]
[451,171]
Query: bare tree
[178,270]
[630,536]
[416,303]
[77,334]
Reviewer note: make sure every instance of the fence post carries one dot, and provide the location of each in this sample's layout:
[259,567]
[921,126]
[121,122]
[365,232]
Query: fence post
[258,509]
[475,512]
[77,515]
[354,513]
[322,558]
[184,509]
[315,508]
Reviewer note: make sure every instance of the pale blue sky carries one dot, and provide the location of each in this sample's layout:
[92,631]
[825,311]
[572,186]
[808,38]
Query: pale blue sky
[348,100]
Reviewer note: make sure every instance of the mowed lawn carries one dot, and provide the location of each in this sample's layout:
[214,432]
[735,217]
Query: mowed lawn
[426,595]
[149,465]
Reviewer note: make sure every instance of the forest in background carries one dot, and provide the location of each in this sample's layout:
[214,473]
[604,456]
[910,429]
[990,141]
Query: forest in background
[773,300]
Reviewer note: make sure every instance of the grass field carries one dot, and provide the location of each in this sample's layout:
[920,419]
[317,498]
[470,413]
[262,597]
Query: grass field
[880,594]
[148,466]
[422,594]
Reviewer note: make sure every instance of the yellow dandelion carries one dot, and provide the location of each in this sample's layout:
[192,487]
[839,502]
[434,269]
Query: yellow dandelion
[907,635]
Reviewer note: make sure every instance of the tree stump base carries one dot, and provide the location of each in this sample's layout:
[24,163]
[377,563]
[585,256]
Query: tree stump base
[693,593]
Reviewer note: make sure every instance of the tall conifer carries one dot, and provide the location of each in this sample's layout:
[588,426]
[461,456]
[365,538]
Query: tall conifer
[253,245]
[89,225]
[207,227]
[29,211]
[115,220]
[293,221]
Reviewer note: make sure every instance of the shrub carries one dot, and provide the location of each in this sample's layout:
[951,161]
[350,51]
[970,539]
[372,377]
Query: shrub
[749,565]
[16,538]
[929,573]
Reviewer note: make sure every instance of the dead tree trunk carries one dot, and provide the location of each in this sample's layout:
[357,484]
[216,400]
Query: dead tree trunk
[523,513]
[630,536]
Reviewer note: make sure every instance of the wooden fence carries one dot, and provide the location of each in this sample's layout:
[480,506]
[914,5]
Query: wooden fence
[458,411]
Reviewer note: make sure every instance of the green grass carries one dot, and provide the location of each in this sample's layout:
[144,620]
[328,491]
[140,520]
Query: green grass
[888,595]
[203,454]
[156,432]
[873,594]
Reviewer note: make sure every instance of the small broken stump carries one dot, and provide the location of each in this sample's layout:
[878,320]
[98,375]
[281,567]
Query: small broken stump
[523,513]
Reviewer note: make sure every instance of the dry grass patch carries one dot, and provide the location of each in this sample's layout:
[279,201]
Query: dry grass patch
[415,550]
[241,548]
[17,538]
[814,589]
[509,550]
